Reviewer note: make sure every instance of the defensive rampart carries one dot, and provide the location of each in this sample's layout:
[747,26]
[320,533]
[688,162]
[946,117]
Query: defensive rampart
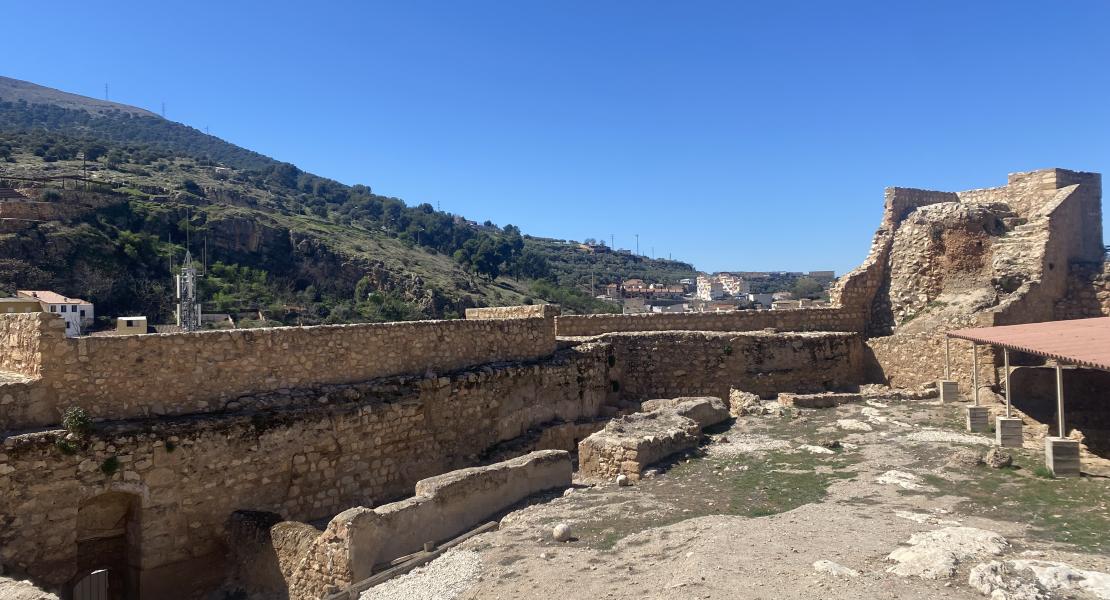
[184,373]
[803,319]
[688,363]
[160,490]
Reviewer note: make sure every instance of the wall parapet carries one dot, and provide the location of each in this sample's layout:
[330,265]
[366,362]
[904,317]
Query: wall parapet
[801,319]
[184,373]
[545,311]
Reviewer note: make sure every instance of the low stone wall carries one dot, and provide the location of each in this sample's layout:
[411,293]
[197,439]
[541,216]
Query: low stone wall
[184,373]
[544,311]
[307,456]
[822,400]
[445,506]
[802,319]
[671,364]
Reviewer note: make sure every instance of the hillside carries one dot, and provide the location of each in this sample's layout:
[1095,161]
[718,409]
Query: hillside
[15,90]
[118,192]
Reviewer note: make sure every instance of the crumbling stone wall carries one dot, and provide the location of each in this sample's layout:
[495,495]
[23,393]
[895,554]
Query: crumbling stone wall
[687,363]
[443,507]
[21,336]
[309,455]
[183,373]
[943,261]
[1088,292]
[803,319]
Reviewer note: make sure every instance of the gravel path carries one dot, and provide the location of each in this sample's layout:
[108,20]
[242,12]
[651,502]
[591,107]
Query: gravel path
[937,435]
[445,578]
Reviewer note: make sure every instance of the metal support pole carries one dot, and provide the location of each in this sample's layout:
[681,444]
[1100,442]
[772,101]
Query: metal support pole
[1006,367]
[975,372]
[947,360]
[1059,401]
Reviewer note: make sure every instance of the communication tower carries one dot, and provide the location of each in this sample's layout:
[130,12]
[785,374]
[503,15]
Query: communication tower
[188,309]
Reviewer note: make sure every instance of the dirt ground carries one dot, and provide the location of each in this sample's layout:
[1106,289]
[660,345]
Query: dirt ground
[749,514]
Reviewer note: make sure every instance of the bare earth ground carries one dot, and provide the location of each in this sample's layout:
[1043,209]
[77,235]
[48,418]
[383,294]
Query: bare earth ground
[750,514]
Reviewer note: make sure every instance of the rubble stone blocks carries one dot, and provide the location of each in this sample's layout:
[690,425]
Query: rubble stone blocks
[822,400]
[978,418]
[1061,456]
[629,444]
[949,390]
[704,410]
[1007,432]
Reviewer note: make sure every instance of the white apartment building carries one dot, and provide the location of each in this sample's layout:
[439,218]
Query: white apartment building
[77,313]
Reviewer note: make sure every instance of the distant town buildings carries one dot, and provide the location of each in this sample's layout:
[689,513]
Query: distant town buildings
[710,288]
[77,313]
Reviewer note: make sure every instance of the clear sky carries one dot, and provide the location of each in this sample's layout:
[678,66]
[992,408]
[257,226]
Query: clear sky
[736,135]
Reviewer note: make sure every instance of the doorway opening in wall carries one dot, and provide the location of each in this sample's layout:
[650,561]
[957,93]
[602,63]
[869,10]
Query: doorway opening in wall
[108,542]
[93,586]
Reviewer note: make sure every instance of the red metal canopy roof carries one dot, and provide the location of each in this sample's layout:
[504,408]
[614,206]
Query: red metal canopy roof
[1083,342]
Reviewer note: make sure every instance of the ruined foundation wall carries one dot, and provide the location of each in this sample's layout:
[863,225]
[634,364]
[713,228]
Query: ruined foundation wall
[803,319]
[672,364]
[443,507]
[171,374]
[328,449]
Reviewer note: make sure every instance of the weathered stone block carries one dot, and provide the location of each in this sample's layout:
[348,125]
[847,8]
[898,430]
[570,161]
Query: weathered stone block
[1061,456]
[978,418]
[949,390]
[1007,432]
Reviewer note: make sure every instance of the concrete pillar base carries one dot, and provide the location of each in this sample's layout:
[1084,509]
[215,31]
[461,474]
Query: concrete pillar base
[1007,432]
[1061,456]
[949,390]
[978,418]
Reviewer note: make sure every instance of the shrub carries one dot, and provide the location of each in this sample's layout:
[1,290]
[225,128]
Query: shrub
[110,466]
[76,421]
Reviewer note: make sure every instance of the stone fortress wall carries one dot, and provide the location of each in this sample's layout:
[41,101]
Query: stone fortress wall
[306,422]
[997,256]
[807,319]
[314,421]
[173,374]
[305,455]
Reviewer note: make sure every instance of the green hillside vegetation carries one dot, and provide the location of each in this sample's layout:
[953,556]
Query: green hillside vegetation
[281,244]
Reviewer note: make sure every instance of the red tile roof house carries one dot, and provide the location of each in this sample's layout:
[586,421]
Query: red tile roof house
[77,313]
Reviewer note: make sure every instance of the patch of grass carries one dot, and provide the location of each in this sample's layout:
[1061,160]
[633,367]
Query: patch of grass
[782,481]
[1043,471]
[1074,511]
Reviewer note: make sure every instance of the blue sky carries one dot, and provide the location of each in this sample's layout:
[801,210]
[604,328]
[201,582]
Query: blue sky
[745,136]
